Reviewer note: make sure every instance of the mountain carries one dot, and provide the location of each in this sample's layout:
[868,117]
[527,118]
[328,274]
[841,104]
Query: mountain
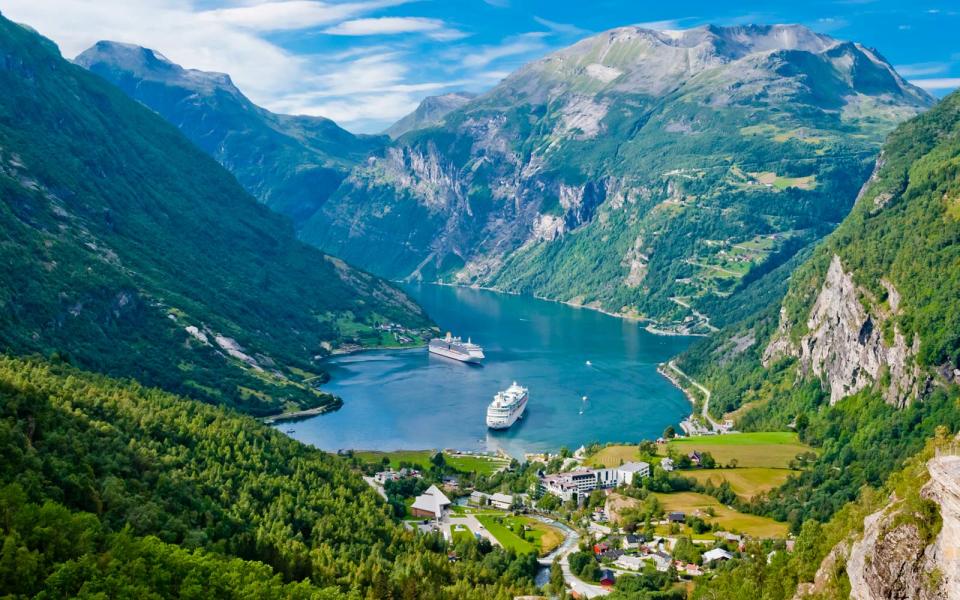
[127,250]
[111,490]
[290,163]
[430,112]
[862,355]
[862,358]
[653,174]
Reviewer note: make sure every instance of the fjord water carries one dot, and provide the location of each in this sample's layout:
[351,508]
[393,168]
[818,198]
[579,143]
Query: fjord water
[410,399]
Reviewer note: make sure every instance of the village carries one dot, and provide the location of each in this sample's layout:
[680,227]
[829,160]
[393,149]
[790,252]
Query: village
[663,511]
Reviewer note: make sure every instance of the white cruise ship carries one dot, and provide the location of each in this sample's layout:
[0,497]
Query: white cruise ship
[507,407]
[457,349]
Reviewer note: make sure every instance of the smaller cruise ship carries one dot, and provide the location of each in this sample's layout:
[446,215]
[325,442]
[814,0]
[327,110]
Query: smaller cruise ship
[455,348]
[507,407]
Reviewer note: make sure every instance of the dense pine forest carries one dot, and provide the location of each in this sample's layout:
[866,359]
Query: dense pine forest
[110,487]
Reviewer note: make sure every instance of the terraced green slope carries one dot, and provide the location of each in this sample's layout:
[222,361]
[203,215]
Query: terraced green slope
[127,250]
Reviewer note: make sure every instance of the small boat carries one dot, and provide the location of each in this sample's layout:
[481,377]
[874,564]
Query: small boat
[589,364]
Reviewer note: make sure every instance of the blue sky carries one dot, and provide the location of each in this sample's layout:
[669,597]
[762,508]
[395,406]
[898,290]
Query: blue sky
[365,63]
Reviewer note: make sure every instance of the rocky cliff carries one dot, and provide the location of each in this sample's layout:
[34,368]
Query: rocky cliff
[907,550]
[844,343]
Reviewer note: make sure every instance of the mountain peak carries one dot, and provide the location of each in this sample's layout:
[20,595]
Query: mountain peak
[148,64]
[431,111]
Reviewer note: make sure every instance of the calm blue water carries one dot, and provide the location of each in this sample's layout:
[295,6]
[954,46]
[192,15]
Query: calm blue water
[411,399]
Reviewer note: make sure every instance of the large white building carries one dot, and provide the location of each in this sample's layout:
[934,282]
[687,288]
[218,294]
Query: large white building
[579,482]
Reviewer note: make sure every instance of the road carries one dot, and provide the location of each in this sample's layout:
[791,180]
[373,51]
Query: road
[570,543]
[706,402]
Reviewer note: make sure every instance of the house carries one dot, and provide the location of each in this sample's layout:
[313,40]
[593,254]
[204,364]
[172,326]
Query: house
[693,570]
[612,554]
[630,563]
[600,548]
[626,473]
[478,498]
[661,560]
[430,504]
[600,516]
[501,501]
[677,517]
[695,458]
[716,554]
[384,476]
[667,464]
[606,578]
[730,537]
[633,541]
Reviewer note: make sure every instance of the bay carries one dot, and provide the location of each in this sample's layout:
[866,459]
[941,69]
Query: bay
[592,377]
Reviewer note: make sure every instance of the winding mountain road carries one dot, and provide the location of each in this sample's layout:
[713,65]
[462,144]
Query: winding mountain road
[706,403]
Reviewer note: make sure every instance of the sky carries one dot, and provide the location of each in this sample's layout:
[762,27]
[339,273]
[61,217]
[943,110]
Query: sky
[366,63]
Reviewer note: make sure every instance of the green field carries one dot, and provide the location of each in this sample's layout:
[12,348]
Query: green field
[614,456]
[421,458]
[773,449]
[746,482]
[693,503]
[468,464]
[481,465]
[460,533]
[540,538]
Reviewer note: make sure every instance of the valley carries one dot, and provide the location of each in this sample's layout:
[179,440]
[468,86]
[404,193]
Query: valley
[720,263]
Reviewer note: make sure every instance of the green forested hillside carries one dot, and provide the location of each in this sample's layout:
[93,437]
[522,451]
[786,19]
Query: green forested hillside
[290,163]
[901,246]
[110,487]
[127,250]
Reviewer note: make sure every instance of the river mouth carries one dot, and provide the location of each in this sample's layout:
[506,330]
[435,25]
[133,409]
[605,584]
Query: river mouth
[592,378]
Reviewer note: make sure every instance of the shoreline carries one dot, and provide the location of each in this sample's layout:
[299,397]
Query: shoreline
[647,324]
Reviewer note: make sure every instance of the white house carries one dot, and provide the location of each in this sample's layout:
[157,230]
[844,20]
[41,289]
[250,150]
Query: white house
[501,501]
[479,498]
[431,503]
[716,554]
[626,472]
[630,562]
[666,464]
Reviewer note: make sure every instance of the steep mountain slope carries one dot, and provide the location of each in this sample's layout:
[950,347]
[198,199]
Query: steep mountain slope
[129,251]
[110,490]
[290,163]
[431,111]
[877,305]
[643,172]
[862,357]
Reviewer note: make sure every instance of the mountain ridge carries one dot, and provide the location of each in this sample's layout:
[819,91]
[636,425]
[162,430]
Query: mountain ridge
[292,163]
[582,175]
[129,251]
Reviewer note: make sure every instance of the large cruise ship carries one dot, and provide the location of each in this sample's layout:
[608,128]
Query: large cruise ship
[457,349]
[507,407]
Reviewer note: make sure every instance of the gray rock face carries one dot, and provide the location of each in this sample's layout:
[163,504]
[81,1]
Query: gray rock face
[844,343]
[431,111]
[893,562]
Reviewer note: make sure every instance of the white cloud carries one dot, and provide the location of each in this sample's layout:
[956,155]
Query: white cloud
[484,56]
[434,28]
[292,14]
[942,83]
[922,69]
[563,28]
[665,25]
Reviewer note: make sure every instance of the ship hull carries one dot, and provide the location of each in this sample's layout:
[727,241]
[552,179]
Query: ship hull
[507,423]
[467,358]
